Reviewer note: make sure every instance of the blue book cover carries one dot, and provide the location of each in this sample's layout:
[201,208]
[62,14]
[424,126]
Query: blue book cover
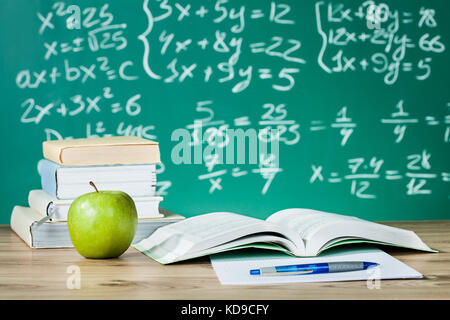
[47,171]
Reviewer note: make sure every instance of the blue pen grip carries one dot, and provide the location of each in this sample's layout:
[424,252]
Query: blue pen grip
[316,268]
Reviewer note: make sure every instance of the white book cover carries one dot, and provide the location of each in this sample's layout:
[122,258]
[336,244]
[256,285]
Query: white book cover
[67,182]
[57,210]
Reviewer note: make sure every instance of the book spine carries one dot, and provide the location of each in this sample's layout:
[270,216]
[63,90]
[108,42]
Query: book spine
[21,225]
[48,172]
[38,203]
[51,152]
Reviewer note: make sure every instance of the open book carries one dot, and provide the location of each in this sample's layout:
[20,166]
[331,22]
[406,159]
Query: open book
[299,232]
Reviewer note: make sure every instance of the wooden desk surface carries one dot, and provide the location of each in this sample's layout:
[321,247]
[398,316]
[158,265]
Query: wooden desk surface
[42,274]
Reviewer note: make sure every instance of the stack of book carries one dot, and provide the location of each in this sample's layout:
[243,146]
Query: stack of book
[127,164]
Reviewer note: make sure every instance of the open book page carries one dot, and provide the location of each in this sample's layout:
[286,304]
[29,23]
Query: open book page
[213,232]
[252,241]
[321,230]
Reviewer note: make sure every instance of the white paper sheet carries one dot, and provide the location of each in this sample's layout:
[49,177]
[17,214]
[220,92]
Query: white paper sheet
[233,268]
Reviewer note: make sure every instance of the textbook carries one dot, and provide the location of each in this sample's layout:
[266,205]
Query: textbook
[102,151]
[298,232]
[69,182]
[57,210]
[27,223]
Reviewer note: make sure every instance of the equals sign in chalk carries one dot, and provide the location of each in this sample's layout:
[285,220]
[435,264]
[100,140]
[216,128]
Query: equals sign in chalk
[257,47]
[407,18]
[115,107]
[334,178]
[111,74]
[447,119]
[256,14]
[242,121]
[445,176]
[317,125]
[265,73]
[392,175]
[407,66]
[431,121]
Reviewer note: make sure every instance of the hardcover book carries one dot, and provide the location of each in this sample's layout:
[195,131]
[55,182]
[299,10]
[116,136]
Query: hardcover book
[102,151]
[57,210]
[69,182]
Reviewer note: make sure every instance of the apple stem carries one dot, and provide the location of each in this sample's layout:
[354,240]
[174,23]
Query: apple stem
[92,184]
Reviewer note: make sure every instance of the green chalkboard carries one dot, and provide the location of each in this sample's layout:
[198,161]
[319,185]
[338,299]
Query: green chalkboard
[352,98]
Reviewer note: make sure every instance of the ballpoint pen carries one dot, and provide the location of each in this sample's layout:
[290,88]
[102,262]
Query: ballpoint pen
[313,268]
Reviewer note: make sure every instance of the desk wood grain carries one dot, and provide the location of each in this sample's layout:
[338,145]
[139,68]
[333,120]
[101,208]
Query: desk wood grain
[42,274]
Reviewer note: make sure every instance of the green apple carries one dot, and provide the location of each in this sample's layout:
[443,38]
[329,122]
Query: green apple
[102,224]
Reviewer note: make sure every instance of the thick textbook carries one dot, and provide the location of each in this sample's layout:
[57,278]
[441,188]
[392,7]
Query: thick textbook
[69,182]
[57,210]
[102,151]
[27,224]
[299,232]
